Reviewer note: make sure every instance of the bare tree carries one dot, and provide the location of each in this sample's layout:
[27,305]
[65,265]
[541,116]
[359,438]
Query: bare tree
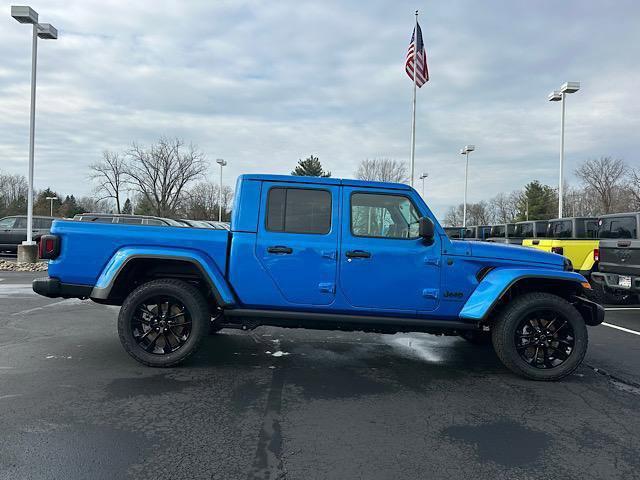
[504,207]
[111,176]
[202,202]
[604,176]
[633,188]
[163,172]
[382,170]
[13,194]
[477,214]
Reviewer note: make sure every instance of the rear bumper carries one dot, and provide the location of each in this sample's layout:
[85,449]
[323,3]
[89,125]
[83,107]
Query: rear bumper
[610,280]
[592,312]
[54,288]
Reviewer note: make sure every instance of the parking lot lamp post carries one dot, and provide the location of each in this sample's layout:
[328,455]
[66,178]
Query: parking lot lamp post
[25,14]
[51,199]
[222,163]
[422,177]
[465,151]
[559,96]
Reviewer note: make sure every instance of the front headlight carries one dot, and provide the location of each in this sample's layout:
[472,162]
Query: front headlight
[568,266]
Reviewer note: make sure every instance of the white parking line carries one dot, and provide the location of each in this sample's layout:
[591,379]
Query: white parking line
[620,328]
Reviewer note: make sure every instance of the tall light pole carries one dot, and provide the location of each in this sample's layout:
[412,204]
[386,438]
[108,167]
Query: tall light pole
[422,177]
[51,199]
[559,96]
[47,31]
[222,163]
[466,151]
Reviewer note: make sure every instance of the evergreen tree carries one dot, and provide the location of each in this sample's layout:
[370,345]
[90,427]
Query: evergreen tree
[310,167]
[42,206]
[540,201]
[127,207]
[70,207]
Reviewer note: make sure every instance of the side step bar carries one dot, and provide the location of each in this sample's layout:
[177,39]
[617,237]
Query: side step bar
[251,318]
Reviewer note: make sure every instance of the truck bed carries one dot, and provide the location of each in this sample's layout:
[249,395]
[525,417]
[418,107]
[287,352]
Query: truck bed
[85,248]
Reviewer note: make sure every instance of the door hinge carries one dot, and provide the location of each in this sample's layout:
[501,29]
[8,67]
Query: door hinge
[327,287]
[432,261]
[431,293]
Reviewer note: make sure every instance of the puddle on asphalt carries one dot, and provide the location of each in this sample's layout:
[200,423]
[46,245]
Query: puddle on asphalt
[422,347]
[506,443]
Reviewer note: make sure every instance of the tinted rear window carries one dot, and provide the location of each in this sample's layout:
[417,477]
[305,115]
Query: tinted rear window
[524,230]
[617,227]
[498,231]
[560,229]
[591,229]
[299,210]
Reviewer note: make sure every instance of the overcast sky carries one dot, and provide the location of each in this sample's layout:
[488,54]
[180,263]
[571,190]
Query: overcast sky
[262,84]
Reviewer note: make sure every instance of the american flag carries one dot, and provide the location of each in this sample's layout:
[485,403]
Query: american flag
[422,75]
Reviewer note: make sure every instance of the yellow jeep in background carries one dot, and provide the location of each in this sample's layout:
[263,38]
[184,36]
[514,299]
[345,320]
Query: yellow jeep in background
[576,238]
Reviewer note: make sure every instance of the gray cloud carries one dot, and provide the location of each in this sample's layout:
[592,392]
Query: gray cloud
[263,84]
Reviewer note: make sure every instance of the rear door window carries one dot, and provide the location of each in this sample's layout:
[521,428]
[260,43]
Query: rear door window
[21,222]
[299,210]
[617,227]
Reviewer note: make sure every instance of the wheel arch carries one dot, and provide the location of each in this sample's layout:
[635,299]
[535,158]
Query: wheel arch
[129,268]
[502,285]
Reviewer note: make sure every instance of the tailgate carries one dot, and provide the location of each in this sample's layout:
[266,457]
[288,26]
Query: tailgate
[620,256]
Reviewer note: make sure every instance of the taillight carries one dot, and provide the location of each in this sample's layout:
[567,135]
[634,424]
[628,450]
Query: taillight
[558,250]
[49,247]
[596,254]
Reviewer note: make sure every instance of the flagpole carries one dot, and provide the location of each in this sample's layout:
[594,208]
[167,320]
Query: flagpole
[413,123]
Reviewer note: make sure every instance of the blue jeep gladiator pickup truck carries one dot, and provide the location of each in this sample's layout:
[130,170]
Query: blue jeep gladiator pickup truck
[323,253]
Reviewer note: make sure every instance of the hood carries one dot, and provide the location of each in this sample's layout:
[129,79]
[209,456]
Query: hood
[515,253]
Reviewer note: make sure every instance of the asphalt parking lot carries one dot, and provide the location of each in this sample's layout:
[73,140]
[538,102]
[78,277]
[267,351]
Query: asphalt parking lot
[293,404]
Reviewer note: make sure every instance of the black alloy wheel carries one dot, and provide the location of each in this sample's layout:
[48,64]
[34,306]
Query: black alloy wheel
[540,336]
[161,324]
[545,339]
[163,321]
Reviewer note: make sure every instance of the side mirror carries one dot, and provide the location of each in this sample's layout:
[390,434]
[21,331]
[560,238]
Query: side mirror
[426,228]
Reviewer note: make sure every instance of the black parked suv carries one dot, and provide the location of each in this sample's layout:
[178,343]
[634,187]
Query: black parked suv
[618,256]
[13,230]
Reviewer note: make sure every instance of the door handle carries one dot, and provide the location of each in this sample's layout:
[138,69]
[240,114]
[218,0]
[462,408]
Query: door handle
[279,249]
[357,254]
[624,243]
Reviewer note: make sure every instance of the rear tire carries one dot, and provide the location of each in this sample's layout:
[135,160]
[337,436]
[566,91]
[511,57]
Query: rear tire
[540,336]
[162,322]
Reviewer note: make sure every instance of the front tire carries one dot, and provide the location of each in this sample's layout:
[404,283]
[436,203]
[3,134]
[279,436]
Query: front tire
[162,322]
[540,336]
